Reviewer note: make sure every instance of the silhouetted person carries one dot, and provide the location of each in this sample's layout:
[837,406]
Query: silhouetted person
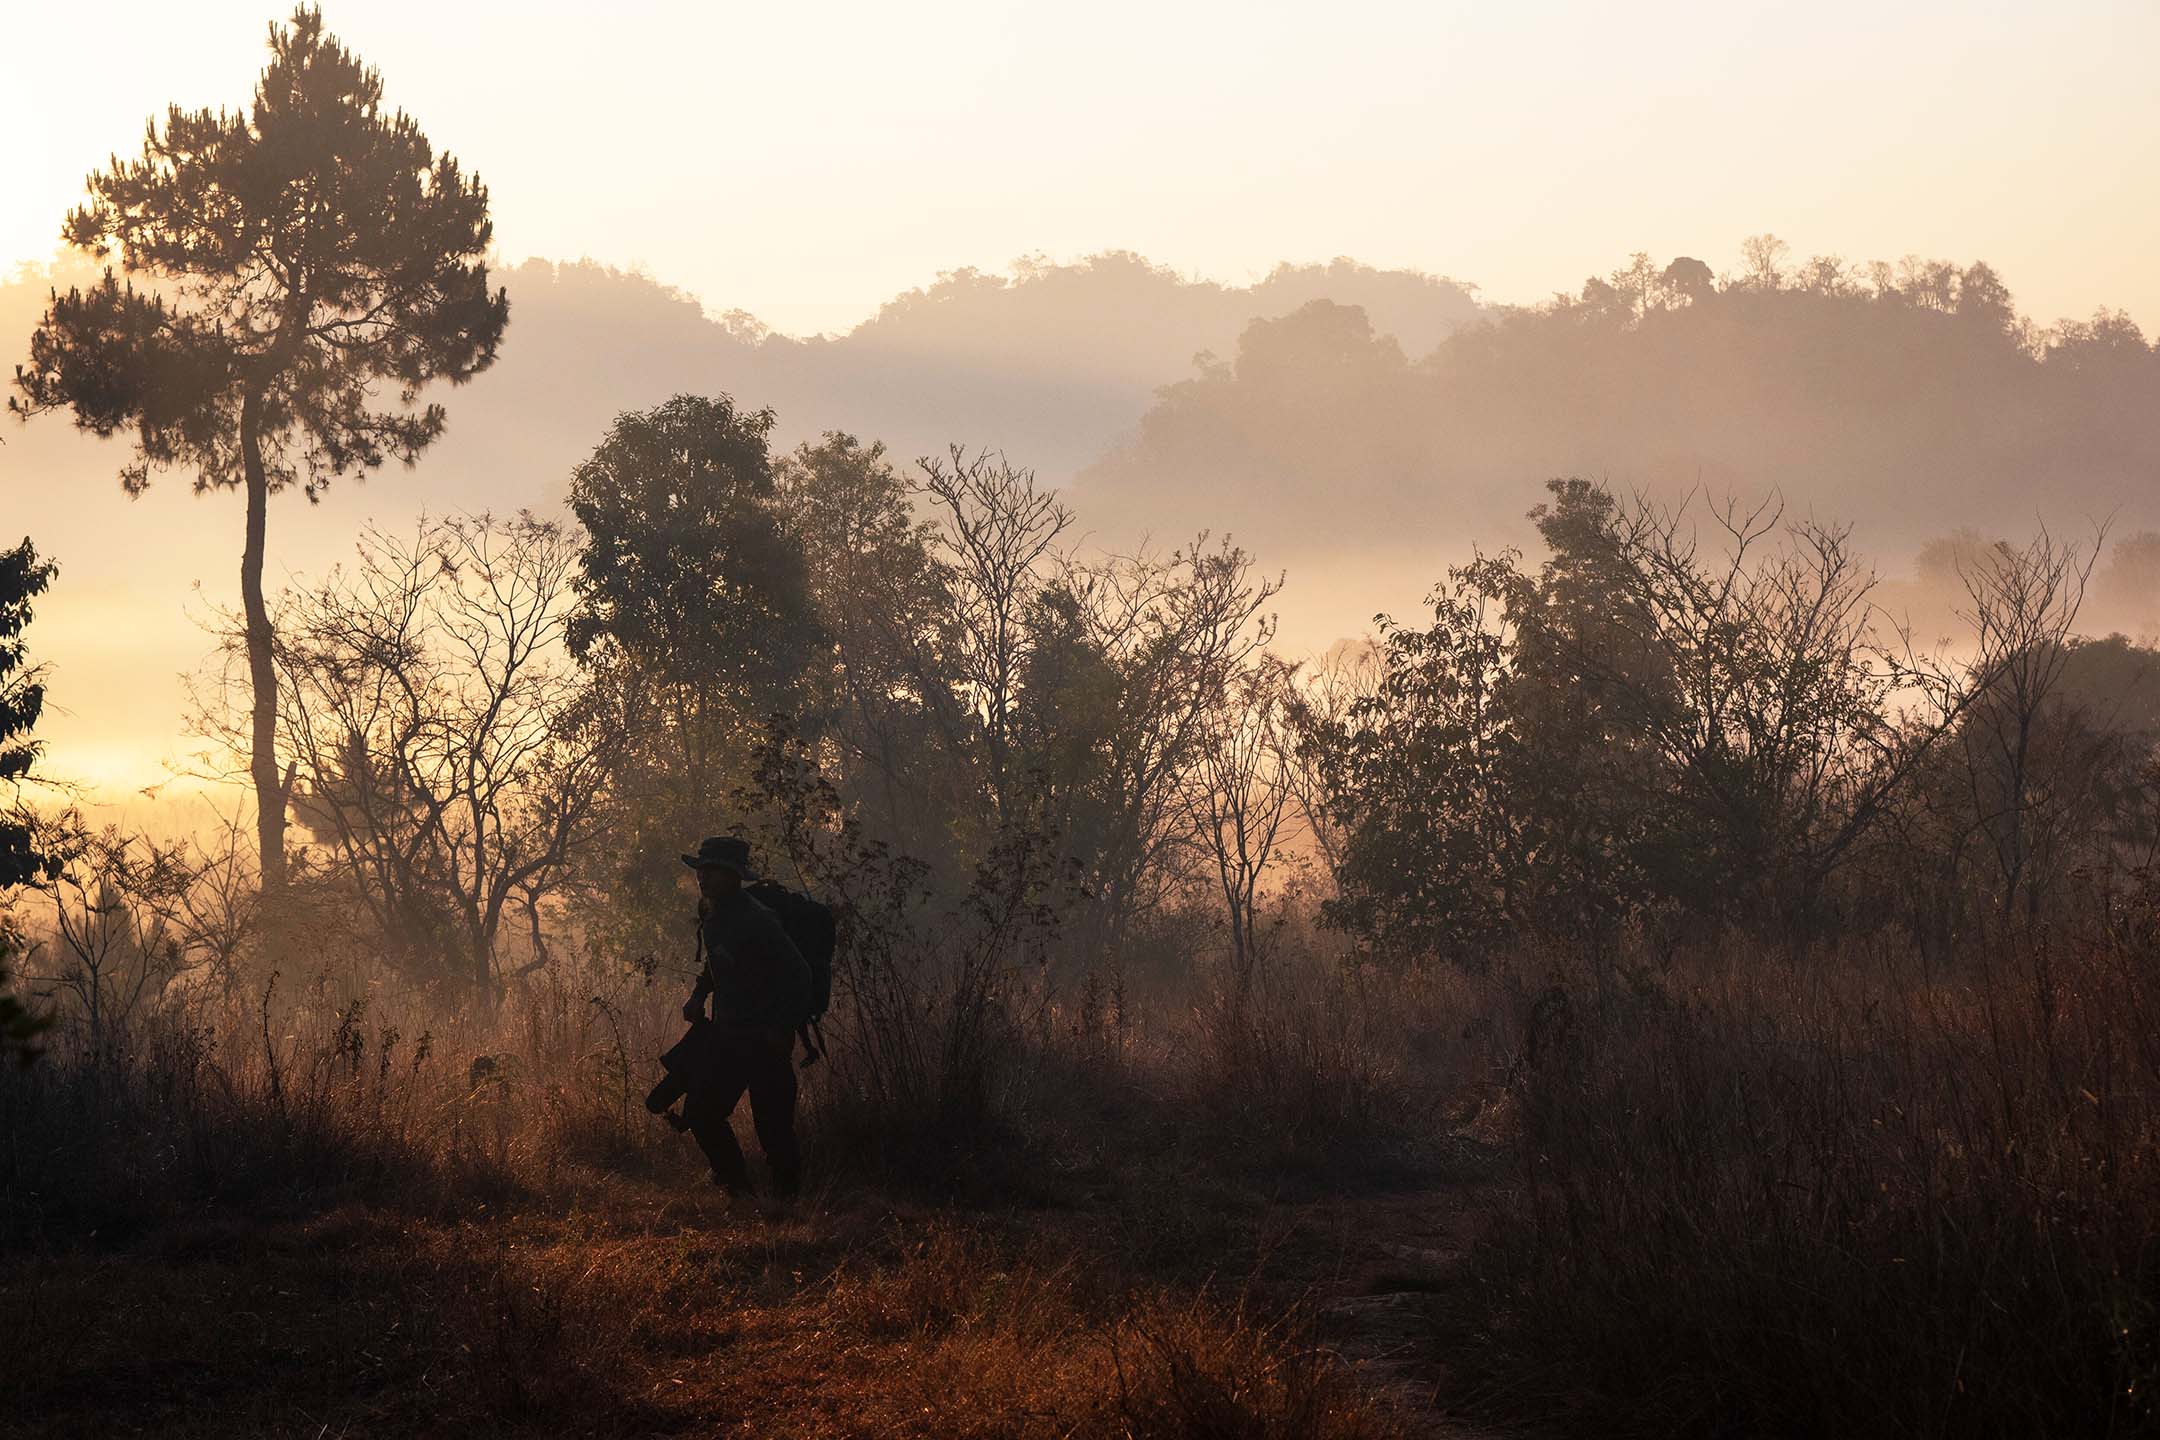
[759,985]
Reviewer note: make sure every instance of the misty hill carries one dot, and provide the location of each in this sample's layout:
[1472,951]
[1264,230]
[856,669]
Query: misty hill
[1054,364]
[1910,400]
[1057,363]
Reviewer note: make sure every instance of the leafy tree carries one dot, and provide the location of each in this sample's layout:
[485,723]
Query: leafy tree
[23,577]
[300,254]
[1423,778]
[1065,723]
[688,575]
[1687,280]
[887,702]
[694,608]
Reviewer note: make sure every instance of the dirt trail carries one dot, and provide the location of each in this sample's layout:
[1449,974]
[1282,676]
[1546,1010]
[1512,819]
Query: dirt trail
[1393,1254]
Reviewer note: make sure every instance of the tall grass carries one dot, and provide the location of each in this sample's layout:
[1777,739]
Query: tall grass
[297,1101]
[467,1220]
[1837,1192]
[947,1076]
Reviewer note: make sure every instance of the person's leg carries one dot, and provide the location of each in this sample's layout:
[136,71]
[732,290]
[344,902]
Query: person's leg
[708,1111]
[772,1111]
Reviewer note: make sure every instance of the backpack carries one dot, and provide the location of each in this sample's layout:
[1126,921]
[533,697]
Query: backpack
[810,925]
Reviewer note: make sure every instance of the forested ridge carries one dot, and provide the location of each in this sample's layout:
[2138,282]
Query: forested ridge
[1906,398]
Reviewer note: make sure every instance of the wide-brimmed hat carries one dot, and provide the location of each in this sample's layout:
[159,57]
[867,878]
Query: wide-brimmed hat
[725,852]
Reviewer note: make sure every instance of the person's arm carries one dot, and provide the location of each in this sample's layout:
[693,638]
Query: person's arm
[693,1009]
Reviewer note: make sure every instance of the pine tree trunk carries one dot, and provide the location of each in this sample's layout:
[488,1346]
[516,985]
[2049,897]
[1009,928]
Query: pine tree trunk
[262,671]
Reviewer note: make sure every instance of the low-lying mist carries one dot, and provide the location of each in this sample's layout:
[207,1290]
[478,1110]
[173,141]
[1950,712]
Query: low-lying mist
[1357,429]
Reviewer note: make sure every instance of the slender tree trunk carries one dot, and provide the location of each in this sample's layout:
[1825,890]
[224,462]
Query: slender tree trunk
[262,671]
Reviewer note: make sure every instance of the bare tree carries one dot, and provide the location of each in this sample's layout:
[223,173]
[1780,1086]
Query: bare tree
[219,911]
[1764,259]
[996,536]
[1317,705]
[2023,603]
[117,945]
[1241,798]
[1067,695]
[1762,677]
[1175,631]
[448,758]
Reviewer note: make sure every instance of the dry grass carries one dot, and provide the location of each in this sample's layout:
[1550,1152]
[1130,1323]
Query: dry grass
[1837,1193]
[326,1225]
[651,1315]
[1743,1193]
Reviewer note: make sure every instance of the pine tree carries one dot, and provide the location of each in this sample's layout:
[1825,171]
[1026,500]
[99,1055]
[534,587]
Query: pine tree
[299,257]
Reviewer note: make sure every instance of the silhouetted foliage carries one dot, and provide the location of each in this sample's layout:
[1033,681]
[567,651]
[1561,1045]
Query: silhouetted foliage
[1678,792]
[1638,724]
[23,861]
[686,572]
[2047,797]
[23,577]
[887,701]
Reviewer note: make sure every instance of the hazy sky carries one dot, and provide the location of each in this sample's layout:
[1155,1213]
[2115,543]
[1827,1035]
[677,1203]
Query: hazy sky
[805,162]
